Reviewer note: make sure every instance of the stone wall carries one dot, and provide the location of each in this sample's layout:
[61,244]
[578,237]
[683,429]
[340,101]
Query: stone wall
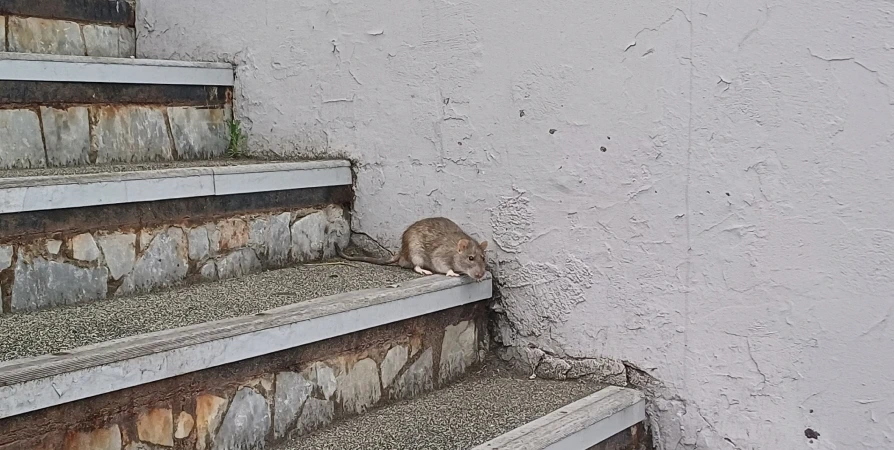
[252,404]
[64,37]
[66,269]
[33,137]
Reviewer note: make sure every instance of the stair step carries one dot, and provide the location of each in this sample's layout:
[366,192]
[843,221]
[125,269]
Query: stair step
[88,69]
[129,342]
[60,111]
[35,190]
[69,27]
[492,409]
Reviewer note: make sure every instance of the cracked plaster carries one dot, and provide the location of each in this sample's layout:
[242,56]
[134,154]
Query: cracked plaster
[712,203]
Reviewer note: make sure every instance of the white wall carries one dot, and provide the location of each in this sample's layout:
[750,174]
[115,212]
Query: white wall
[735,239]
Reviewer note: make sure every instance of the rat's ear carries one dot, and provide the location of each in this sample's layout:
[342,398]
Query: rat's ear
[483,245]
[462,245]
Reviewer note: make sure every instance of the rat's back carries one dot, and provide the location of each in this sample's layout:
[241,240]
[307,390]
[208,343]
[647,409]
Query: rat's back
[433,232]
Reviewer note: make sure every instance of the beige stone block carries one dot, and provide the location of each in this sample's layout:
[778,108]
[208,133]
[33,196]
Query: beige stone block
[67,135]
[2,33]
[233,234]
[209,412]
[199,133]
[103,439]
[156,427]
[130,134]
[185,424]
[21,144]
[84,248]
[110,41]
[34,35]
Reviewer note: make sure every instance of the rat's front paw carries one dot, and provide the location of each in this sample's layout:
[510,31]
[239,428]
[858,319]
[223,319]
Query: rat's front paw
[422,271]
[451,273]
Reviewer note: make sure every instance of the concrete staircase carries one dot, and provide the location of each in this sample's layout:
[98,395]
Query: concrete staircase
[157,293]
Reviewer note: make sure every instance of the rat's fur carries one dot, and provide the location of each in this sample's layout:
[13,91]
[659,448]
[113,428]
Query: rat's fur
[437,245]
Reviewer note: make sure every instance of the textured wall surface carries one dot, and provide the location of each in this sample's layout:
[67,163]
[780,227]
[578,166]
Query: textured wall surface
[699,188]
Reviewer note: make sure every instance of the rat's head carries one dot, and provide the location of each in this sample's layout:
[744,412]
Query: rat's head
[469,259]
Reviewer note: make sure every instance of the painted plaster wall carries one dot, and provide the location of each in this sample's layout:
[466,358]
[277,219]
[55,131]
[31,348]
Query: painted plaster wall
[713,205]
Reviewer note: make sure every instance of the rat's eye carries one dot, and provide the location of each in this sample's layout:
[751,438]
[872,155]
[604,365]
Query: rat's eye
[471,258]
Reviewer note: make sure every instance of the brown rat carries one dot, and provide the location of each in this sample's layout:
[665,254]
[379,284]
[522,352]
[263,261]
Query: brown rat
[436,244]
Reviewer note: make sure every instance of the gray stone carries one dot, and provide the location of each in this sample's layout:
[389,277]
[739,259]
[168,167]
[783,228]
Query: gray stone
[552,368]
[238,263]
[258,229]
[603,370]
[292,390]
[279,239]
[315,415]
[458,351]
[393,362]
[213,239]
[120,253]
[130,134]
[33,35]
[3,33]
[246,423]
[21,145]
[67,135]
[521,359]
[271,238]
[54,246]
[199,133]
[209,271]
[308,237]
[418,378]
[163,264]
[84,248]
[199,247]
[41,283]
[322,376]
[338,233]
[109,41]
[358,387]
[5,256]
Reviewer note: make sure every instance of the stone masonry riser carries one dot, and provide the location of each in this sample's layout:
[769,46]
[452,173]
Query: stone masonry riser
[66,269]
[65,37]
[81,135]
[255,403]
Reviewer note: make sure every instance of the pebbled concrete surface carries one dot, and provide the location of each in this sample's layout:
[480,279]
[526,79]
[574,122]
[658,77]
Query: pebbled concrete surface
[114,168]
[481,407]
[42,332]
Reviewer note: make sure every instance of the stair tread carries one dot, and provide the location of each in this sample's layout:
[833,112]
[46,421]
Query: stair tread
[51,331]
[478,408]
[90,69]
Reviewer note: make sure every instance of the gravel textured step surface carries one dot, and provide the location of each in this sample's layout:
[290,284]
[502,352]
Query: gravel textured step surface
[42,332]
[117,168]
[479,408]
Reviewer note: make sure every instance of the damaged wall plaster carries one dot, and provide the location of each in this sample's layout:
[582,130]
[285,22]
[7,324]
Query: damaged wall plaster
[700,188]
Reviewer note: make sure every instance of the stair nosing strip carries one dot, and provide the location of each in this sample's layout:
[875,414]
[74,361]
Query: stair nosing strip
[25,194]
[82,69]
[31,381]
[580,424]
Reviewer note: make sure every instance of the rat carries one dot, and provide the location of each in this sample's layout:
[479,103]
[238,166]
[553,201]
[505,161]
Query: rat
[435,244]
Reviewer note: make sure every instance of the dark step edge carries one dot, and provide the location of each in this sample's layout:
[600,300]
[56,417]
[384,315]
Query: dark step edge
[118,12]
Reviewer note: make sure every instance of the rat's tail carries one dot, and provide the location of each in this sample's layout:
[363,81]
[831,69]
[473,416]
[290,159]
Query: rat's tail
[366,259]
